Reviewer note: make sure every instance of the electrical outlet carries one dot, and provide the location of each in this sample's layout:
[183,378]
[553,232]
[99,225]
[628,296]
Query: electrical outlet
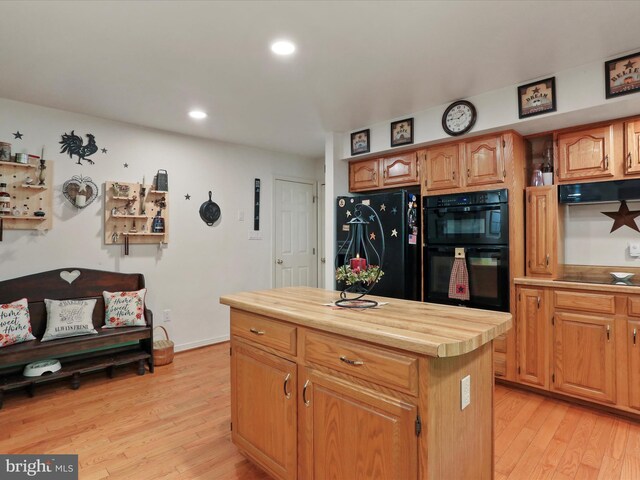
[166,316]
[465,392]
[634,249]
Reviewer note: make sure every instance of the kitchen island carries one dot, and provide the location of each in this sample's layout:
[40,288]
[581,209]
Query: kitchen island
[320,392]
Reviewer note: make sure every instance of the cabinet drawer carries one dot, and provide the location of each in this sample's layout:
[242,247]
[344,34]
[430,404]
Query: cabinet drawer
[585,302]
[370,363]
[264,331]
[633,306]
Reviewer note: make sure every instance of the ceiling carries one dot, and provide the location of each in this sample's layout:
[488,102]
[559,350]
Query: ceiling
[357,63]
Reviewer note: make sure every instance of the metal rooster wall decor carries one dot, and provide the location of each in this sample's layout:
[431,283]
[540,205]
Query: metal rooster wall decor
[74,145]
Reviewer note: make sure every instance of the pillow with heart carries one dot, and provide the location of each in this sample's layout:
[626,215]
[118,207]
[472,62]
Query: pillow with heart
[15,323]
[124,309]
[69,318]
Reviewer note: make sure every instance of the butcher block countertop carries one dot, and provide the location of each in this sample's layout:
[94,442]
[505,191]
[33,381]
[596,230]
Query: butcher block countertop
[424,328]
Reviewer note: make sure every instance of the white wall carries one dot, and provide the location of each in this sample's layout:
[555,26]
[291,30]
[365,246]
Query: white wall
[580,100]
[587,237]
[200,263]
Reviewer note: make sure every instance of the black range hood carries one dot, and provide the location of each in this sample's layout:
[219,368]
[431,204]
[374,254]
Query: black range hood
[599,192]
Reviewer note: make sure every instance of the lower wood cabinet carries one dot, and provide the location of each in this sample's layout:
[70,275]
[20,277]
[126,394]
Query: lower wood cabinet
[350,432]
[633,352]
[264,410]
[532,340]
[584,356]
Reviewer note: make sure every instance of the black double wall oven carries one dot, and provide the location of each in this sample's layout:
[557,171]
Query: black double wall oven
[479,223]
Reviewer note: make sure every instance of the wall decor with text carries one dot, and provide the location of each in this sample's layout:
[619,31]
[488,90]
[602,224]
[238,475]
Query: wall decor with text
[622,75]
[360,142]
[402,132]
[537,98]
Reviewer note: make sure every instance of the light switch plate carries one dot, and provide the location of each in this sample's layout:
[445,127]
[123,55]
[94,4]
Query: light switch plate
[634,249]
[255,235]
[465,392]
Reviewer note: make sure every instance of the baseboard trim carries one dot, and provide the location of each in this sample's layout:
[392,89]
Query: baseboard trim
[201,343]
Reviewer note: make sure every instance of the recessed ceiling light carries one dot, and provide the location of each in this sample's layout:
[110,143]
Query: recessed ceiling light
[197,114]
[283,47]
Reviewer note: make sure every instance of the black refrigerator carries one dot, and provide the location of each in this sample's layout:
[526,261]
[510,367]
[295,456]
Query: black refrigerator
[399,213]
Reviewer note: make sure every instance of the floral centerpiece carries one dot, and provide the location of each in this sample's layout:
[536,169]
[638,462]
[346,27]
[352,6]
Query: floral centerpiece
[364,276]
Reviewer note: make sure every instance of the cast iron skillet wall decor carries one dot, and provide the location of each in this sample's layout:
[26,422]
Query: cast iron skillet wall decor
[209,211]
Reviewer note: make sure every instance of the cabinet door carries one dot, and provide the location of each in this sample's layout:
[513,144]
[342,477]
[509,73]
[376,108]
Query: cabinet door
[583,356]
[442,167]
[263,409]
[632,147]
[364,175]
[633,349]
[541,231]
[532,324]
[484,161]
[585,154]
[351,432]
[400,170]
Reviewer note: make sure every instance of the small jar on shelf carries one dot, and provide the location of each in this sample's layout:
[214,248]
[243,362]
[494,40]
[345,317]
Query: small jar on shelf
[5,200]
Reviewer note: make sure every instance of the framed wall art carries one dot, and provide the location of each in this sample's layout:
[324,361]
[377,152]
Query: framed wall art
[622,75]
[402,132]
[360,142]
[537,98]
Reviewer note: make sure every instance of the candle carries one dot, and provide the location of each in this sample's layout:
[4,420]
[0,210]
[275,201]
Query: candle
[358,263]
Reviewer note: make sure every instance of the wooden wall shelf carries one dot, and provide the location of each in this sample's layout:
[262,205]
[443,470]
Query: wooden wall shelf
[18,165]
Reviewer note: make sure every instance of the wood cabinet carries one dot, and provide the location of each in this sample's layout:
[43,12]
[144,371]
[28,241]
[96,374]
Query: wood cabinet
[442,167]
[264,410]
[543,228]
[584,356]
[585,154]
[632,147]
[532,340]
[387,172]
[354,432]
[633,352]
[484,161]
[364,175]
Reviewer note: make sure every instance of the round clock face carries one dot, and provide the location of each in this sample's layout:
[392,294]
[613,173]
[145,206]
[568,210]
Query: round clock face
[459,117]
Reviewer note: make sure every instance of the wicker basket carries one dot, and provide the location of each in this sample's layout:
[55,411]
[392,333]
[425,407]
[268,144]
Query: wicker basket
[162,350]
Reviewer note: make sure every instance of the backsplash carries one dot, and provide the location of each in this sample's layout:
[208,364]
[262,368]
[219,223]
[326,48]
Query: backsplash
[587,237]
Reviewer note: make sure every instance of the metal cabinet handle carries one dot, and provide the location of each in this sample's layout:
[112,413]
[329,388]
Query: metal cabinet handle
[608,332]
[287,394]
[304,394]
[453,175]
[384,174]
[279,262]
[538,303]
[606,162]
[629,159]
[547,259]
[468,173]
[256,331]
[354,363]
[635,331]
[374,175]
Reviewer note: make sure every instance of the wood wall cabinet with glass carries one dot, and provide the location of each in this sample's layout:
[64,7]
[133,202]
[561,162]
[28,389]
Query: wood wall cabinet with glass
[387,172]
[587,153]
[532,337]
[544,227]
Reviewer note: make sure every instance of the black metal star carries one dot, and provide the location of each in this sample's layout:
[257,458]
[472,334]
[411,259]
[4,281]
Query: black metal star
[18,134]
[126,165]
[394,210]
[187,197]
[104,150]
[536,90]
[629,64]
[623,217]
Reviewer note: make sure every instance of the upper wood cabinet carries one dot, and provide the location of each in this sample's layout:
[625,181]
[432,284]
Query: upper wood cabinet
[584,356]
[632,147]
[364,175]
[263,409]
[585,154]
[386,172]
[484,161]
[533,344]
[442,167]
[542,231]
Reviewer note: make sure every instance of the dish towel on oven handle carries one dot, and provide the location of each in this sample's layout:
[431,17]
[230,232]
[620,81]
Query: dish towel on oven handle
[459,280]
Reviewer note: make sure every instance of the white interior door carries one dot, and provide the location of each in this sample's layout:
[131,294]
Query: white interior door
[295,234]
[321,251]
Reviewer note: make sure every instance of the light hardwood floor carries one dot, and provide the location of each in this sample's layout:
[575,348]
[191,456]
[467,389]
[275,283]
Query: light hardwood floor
[175,424]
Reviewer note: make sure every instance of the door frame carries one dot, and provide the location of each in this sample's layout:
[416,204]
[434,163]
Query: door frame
[320,231]
[314,185]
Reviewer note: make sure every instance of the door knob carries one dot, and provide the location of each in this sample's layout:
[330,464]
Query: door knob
[323,260]
[279,262]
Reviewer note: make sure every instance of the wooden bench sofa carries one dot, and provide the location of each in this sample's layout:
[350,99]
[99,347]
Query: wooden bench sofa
[78,355]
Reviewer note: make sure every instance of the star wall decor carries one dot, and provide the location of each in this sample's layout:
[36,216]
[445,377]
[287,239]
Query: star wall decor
[103,150]
[187,197]
[394,210]
[383,208]
[623,217]
[18,135]
[372,236]
[371,218]
[348,213]
[394,233]
[126,165]
[629,64]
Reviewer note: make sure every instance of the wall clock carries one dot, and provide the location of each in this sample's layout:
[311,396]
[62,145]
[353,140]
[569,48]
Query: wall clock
[459,118]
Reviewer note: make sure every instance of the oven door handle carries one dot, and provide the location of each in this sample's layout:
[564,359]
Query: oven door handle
[474,208]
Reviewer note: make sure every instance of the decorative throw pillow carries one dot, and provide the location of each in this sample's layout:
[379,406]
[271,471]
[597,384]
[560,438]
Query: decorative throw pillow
[124,309]
[15,323]
[69,318]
